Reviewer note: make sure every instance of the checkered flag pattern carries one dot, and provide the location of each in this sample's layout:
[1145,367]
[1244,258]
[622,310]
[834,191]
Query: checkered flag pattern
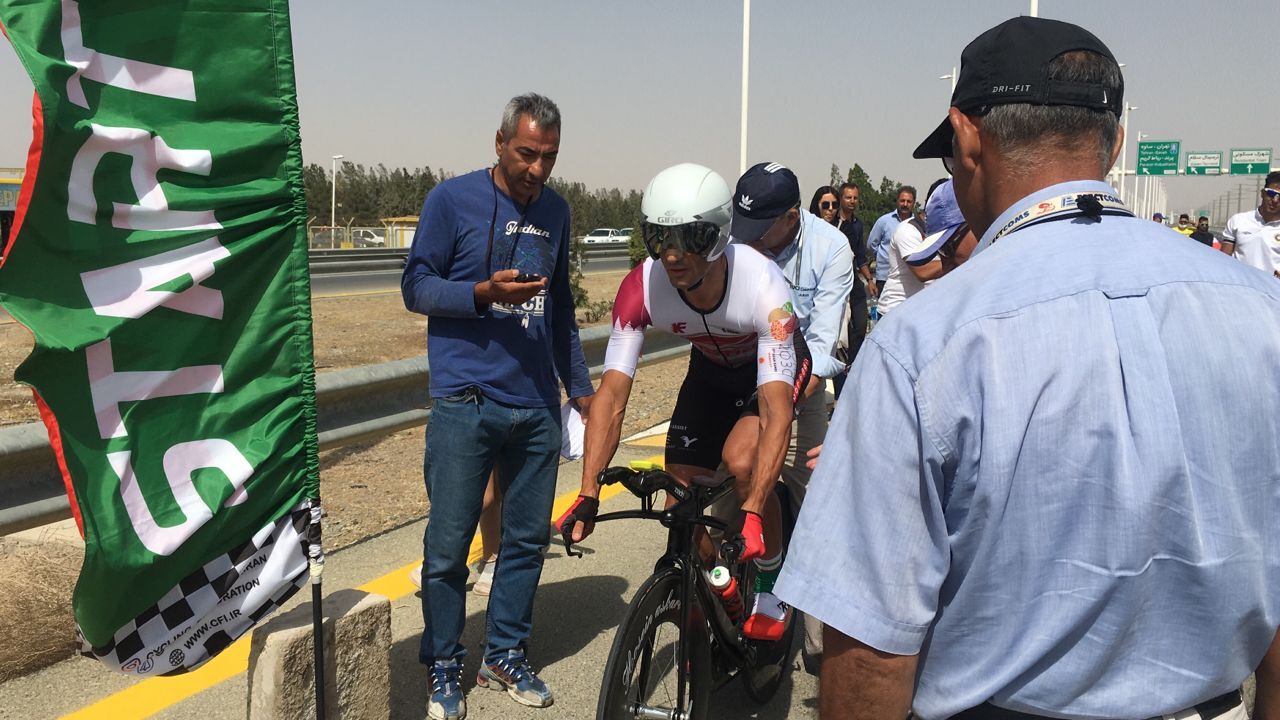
[213,606]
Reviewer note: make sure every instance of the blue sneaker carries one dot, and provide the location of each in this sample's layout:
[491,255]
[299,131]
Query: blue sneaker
[447,701]
[514,675]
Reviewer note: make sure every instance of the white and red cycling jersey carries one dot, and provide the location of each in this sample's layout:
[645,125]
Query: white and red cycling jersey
[754,320]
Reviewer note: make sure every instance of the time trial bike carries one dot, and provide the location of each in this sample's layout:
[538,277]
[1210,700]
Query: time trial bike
[678,642]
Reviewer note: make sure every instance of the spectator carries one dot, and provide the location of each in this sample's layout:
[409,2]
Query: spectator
[1158,217]
[883,229]
[490,537]
[490,267]
[1254,236]
[1184,225]
[824,204]
[908,278]
[849,224]
[818,266]
[1033,509]
[949,240]
[1202,234]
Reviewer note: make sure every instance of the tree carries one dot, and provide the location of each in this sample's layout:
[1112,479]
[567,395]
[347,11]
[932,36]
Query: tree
[315,185]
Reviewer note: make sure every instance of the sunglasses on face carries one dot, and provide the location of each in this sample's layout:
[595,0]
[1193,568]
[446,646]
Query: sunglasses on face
[1270,193]
[697,237]
[828,204]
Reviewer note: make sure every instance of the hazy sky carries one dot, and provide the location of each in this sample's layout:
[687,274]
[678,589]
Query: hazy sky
[643,85]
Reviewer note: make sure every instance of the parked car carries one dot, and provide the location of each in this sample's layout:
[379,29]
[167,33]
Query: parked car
[626,235]
[365,238]
[605,236]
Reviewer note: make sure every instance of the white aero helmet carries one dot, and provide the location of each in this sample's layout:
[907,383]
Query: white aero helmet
[688,207]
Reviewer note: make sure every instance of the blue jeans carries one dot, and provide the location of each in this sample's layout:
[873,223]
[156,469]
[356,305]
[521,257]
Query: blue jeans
[467,434]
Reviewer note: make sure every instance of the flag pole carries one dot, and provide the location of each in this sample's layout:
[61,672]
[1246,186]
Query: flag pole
[315,561]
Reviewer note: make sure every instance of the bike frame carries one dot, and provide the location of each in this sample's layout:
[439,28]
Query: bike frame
[681,519]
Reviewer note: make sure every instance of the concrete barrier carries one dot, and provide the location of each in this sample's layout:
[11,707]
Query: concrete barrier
[357,658]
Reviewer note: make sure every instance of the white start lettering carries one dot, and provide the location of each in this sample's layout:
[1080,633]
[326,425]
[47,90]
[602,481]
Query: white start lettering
[132,290]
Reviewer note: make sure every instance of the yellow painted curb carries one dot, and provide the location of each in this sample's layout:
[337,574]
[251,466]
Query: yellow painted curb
[658,441]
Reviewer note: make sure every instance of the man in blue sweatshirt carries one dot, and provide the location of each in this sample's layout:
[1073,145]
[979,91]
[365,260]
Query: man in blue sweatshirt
[490,268]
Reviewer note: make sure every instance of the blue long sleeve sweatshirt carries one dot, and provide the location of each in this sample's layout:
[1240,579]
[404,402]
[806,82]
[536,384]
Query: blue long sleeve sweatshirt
[512,353]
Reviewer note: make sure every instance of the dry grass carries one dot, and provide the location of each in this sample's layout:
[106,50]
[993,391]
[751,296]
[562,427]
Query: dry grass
[36,581]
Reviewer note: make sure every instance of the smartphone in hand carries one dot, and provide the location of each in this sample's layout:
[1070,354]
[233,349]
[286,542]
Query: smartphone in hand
[527,277]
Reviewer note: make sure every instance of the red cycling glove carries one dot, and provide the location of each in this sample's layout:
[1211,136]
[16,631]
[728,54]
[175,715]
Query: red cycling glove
[752,532]
[582,510]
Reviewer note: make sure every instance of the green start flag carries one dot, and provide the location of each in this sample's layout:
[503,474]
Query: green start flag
[159,260]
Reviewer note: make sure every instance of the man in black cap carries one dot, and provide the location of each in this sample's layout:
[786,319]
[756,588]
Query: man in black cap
[817,263]
[1033,510]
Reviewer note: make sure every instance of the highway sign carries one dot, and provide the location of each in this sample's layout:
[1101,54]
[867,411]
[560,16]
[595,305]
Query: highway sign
[1159,157]
[1250,161]
[1204,163]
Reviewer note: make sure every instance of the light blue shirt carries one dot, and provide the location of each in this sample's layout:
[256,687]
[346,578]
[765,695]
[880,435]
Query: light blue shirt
[878,243]
[818,267]
[1059,482]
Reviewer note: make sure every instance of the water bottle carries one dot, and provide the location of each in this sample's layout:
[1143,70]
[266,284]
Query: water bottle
[727,588]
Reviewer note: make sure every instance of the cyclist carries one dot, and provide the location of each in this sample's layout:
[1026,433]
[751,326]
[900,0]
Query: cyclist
[734,307]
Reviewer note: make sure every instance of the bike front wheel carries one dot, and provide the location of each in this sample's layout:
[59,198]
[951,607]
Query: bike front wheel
[643,677]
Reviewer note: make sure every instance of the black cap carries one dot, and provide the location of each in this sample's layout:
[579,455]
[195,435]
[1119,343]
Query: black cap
[1010,64]
[765,191]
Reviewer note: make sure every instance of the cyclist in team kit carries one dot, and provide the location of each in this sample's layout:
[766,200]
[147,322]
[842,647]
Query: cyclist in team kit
[736,403]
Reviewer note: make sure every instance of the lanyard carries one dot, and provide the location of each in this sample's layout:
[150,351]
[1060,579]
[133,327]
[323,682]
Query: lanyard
[1065,207]
[798,244]
[488,254]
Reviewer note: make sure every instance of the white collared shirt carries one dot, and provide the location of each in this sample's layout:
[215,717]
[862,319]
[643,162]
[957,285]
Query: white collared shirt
[1257,242]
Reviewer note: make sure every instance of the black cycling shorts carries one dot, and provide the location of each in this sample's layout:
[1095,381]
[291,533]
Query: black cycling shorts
[711,400]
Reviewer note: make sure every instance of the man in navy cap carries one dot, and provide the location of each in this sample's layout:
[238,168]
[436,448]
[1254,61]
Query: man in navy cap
[817,263]
[1051,498]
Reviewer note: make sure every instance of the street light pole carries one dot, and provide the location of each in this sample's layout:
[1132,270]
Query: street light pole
[1124,151]
[746,63]
[333,202]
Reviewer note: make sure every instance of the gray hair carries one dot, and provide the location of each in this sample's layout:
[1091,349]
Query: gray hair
[540,110]
[1027,135]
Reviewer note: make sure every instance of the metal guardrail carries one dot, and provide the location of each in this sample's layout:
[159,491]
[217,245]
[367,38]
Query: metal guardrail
[326,261]
[353,405]
[364,260]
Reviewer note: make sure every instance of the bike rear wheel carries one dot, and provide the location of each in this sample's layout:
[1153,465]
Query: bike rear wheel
[642,678]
